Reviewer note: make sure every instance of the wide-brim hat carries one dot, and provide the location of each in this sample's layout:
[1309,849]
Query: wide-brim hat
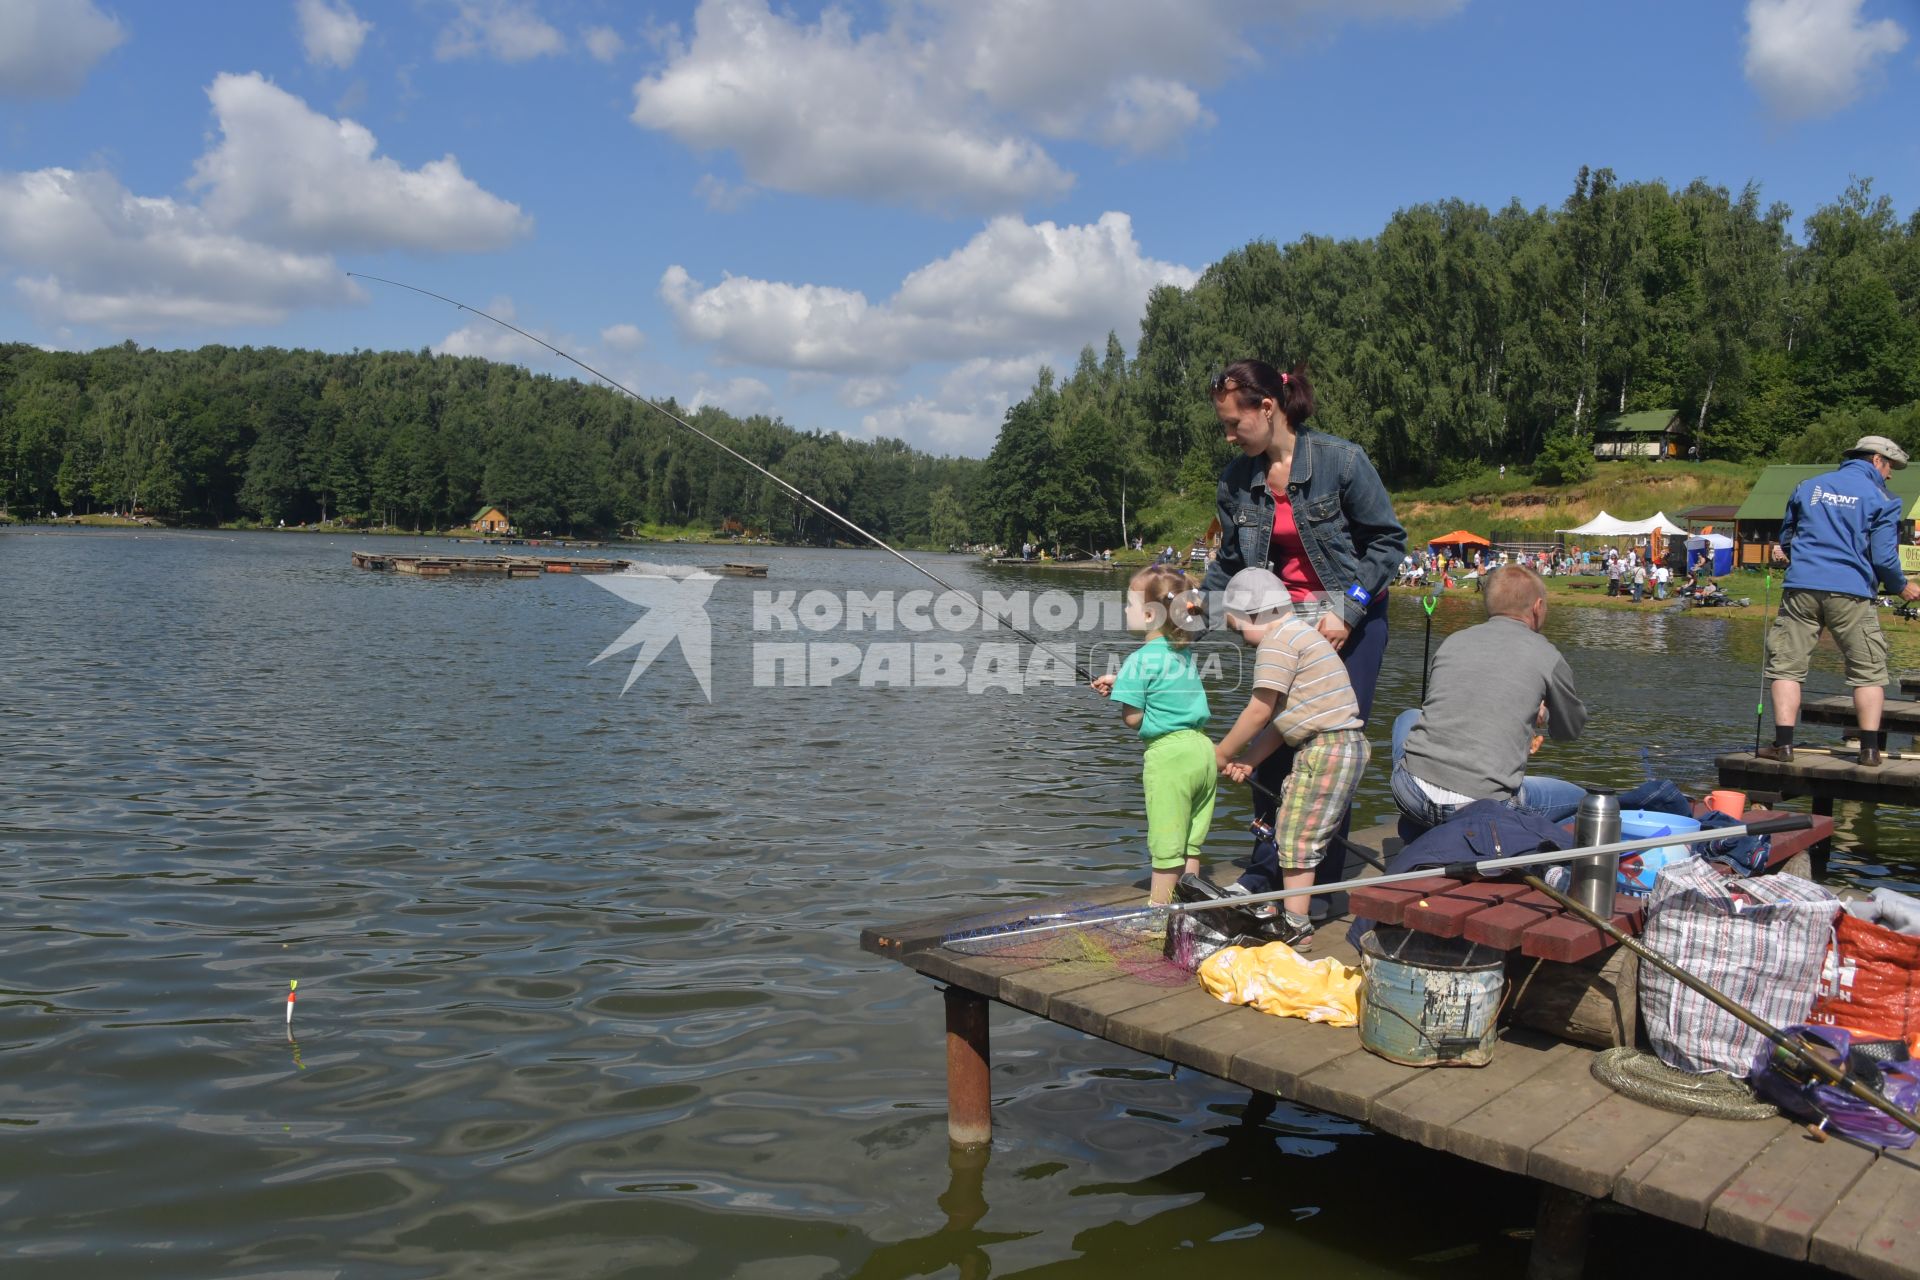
[1881,445]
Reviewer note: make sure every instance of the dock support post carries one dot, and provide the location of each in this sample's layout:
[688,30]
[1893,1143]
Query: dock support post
[1560,1235]
[1823,807]
[969,1098]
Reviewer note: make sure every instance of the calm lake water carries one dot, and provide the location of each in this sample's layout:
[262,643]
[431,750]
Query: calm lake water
[580,986]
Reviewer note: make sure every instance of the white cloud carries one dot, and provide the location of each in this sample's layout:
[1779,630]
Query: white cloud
[815,109]
[1812,57]
[47,47]
[93,253]
[935,108]
[968,405]
[603,43]
[331,33]
[740,396]
[720,195]
[863,393]
[483,338]
[1011,288]
[510,30]
[285,172]
[622,337]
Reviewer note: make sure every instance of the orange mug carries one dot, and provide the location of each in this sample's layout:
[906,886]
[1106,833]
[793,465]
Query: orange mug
[1731,803]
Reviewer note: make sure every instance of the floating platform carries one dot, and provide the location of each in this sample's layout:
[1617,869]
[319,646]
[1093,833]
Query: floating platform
[1825,774]
[1080,566]
[740,570]
[1535,1110]
[1899,715]
[497,566]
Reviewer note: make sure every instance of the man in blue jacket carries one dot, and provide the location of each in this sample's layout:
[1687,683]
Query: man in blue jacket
[1841,533]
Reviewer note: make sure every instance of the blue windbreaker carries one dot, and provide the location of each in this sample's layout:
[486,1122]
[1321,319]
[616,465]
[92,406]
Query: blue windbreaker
[1842,533]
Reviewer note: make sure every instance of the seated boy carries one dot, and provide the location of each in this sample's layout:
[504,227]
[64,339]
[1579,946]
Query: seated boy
[1301,696]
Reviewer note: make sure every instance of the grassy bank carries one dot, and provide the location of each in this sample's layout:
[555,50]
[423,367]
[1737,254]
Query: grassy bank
[1513,505]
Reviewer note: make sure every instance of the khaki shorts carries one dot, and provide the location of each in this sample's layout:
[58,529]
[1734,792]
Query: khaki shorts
[1854,624]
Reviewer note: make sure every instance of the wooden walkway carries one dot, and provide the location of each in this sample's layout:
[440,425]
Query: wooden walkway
[1535,1110]
[1899,716]
[1825,776]
[497,566]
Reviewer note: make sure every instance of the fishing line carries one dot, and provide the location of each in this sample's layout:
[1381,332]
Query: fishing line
[725,448]
[731,452]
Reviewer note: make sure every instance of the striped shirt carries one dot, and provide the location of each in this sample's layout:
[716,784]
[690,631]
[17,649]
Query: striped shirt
[1315,695]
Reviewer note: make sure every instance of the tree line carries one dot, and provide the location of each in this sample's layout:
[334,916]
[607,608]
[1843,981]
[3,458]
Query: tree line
[225,434]
[1459,336]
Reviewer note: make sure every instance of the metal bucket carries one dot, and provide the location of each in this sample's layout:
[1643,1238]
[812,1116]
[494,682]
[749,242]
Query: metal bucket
[1429,1002]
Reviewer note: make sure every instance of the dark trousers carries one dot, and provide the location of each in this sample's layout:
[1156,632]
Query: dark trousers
[1365,650]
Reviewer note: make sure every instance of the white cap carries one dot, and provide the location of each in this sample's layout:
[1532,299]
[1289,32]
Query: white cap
[1255,591]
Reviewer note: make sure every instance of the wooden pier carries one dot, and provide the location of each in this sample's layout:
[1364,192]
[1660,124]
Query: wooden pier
[1825,775]
[496,566]
[1535,1110]
[1898,716]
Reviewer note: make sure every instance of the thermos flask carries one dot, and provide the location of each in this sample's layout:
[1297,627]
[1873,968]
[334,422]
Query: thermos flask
[1598,822]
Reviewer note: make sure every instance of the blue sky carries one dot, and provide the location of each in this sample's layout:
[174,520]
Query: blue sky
[873,218]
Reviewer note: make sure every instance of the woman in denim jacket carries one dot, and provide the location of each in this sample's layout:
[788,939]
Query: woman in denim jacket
[1334,542]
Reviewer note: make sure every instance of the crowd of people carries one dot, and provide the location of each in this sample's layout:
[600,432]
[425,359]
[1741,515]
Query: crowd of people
[1309,551]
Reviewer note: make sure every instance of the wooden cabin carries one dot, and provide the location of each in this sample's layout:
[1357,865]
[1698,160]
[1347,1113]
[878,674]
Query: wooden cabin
[1651,433]
[1757,523]
[491,520]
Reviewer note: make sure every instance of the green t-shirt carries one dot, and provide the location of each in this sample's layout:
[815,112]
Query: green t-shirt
[1162,682]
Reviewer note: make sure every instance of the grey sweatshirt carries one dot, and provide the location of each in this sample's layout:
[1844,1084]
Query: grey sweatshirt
[1486,687]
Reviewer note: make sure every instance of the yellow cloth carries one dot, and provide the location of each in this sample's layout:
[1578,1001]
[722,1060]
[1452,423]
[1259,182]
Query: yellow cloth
[1274,979]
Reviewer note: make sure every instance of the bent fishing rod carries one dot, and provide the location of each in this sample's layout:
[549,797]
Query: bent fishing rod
[1093,917]
[735,454]
[1785,1047]
[792,489]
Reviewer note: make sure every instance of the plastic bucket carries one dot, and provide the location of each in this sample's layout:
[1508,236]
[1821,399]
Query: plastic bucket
[1429,1002]
[1638,871]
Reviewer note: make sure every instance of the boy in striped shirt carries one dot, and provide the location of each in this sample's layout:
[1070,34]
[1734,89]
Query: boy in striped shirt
[1301,696]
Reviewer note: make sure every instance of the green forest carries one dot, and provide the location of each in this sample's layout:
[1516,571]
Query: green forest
[1454,339]
[1458,338]
[421,441]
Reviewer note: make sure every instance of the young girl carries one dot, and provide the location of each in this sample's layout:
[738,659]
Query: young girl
[1160,695]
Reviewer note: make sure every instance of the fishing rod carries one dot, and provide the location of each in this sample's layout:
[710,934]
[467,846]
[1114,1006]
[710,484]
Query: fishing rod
[721,445]
[1760,703]
[993,935]
[1784,1046]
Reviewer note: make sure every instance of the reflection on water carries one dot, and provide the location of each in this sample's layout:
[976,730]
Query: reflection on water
[580,989]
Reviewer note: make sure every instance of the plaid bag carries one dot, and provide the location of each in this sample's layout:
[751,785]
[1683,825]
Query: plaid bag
[1759,941]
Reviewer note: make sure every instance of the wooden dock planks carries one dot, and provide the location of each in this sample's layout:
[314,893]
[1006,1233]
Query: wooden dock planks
[501,566]
[1899,715]
[1825,777]
[1535,1110]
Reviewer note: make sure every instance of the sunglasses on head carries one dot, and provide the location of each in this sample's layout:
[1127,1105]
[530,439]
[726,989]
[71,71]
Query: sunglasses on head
[1223,383]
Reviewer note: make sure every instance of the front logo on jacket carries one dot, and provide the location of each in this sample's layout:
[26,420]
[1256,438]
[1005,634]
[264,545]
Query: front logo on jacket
[1833,499]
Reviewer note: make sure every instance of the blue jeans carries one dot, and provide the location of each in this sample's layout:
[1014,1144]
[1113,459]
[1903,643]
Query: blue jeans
[1552,798]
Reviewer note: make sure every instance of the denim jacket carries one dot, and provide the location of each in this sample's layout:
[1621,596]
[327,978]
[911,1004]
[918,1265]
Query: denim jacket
[1345,519]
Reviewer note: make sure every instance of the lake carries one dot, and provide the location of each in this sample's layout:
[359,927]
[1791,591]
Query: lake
[580,989]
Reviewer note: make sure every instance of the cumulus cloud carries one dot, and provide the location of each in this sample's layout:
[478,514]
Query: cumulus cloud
[967,406]
[740,396]
[1012,287]
[622,337]
[940,107]
[1813,57]
[47,47]
[817,110]
[490,341]
[509,30]
[603,43]
[863,393]
[93,253]
[720,195]
[285,172]
[332,33]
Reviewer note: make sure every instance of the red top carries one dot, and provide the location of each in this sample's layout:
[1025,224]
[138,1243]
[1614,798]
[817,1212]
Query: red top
[1290,557]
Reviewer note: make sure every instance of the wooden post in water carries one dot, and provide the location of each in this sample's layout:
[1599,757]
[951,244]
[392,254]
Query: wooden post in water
[969,1098]
[1560,1235]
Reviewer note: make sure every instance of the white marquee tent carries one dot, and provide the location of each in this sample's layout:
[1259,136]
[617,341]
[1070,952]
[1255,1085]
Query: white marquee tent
[1606,526]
